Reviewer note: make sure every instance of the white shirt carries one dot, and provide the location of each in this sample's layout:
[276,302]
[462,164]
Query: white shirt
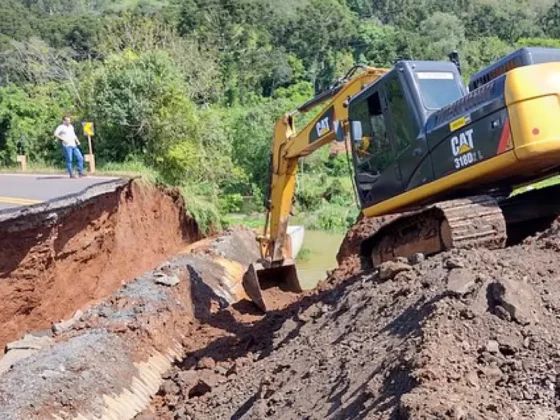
[67,133]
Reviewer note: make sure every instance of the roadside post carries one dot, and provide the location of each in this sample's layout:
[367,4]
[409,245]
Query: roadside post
[89,158]
[21,158]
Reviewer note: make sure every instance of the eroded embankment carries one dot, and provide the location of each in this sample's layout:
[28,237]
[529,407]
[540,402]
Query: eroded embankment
[108,361]
[56,258]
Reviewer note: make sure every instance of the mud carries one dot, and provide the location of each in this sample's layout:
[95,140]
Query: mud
[56,258]
[461,335]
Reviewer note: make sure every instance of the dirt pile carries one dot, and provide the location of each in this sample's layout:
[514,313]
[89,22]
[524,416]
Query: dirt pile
[463,335]
[57,260]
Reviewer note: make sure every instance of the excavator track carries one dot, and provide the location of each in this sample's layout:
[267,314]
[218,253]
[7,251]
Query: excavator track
[470,222]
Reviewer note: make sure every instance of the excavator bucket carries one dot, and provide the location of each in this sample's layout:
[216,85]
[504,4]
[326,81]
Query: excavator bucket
[281,274]
[259,277]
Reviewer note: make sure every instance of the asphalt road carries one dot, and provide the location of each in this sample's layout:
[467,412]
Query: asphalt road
[18,190]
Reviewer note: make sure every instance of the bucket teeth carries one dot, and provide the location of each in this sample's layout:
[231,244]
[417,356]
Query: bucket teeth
[252,286]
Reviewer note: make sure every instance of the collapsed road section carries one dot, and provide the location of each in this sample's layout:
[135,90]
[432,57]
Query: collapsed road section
[58,256]
[107,361]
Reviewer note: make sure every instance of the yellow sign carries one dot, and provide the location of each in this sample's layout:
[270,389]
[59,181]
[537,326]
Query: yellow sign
[458,123]
[88,128]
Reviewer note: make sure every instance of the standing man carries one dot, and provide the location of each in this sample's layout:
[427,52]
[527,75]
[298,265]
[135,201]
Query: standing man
[67,136]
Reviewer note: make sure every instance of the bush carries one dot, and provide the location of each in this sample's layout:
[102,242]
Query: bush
[201,202]
[337,165]
[230,203]
[332,217]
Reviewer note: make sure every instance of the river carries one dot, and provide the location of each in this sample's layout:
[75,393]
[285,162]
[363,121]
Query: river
[323,247]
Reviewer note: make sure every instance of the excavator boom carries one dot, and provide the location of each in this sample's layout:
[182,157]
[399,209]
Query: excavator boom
[288,147]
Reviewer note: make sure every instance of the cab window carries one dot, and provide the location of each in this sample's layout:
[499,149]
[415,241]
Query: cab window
[401,121]
[371,144]
[438,89]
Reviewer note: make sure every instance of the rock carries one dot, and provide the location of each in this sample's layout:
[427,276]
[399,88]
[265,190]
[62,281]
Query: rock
[105,312]
[452,263]
[507,347]
[314,311]
[187,378]
[492,407]
[516,297]
[457,412]
[47,332]
[467,314]
[199,389]
[14,356]
[493,374]
[170,388]
[472,380]
[206,363]
[390,269]
[62,326]
[221,370]
[166,280]
[232,370]
[404,277]
[30,342]
[204,385]
[502,313]
[460,282]
[145,416]
[78,315]
[417,258]
[492,347]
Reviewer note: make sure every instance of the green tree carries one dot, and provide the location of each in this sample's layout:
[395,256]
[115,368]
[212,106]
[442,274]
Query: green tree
[508,21]
[482,52]
[28,117]
[141,108]
[551,21]
[321,36]
[441,33]
[16,23]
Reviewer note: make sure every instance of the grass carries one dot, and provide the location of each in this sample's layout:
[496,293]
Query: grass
[129,170]
[252,221]
[36,168]
[203,208]
[549,182]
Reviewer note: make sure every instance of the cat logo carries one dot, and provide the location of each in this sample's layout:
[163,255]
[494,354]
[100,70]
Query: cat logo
[323,127]
[462,143]
[462,146]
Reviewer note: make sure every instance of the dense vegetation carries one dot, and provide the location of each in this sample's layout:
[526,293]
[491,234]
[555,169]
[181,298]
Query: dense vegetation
[191,88]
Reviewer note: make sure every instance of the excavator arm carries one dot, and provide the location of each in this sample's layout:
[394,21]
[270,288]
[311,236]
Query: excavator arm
[289,145]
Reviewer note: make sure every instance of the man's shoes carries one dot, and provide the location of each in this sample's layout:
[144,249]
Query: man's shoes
[72,176]
[83,175]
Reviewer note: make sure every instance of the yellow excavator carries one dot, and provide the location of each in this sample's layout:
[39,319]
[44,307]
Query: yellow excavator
[435,163]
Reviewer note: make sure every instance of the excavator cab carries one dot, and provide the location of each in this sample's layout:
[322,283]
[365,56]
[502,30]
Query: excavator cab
[387,121]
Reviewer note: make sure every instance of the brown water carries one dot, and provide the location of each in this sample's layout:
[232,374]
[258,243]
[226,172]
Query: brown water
[322,247]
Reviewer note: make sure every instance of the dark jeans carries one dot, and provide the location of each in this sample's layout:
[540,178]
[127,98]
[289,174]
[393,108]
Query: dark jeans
[69,153]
